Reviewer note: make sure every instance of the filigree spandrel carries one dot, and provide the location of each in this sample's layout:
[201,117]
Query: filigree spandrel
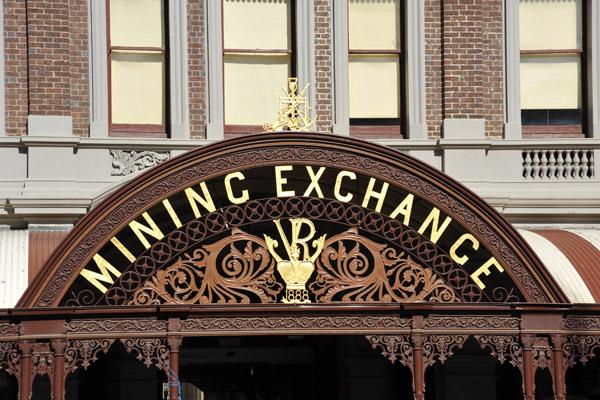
[216,273]
[353,268]
[580,348]
[503,348]
[393,347]
[83,352]
[150,351]
[441,347]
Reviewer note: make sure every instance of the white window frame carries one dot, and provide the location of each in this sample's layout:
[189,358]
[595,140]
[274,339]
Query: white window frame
[179,127]
[512,76]
[305,62]
[414,35]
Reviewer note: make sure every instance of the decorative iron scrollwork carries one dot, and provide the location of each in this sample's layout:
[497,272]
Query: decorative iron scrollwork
[10,359]
[394,347]
[353,268]
[503,348]
[149,351]
[216,273]
[580,348]
[83,352]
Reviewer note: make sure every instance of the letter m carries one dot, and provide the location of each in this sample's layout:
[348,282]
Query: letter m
[105,267]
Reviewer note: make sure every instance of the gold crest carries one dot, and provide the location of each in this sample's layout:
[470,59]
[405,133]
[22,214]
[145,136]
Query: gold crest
[293,110]
[297,270]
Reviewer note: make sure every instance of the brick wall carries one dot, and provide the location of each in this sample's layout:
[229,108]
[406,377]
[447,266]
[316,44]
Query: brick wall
[47,63]
[464,63]
[197,68]
[493,60]
[79,67]
[433,67]
[15,67]
[323,65]
[48,57]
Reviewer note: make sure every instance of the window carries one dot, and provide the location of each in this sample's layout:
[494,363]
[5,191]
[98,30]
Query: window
[375,67]
[258,59]
[551,68]
[137,68]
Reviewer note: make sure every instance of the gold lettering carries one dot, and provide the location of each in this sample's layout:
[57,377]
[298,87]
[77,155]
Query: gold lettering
[338,185]
[404,208]
[485,269]
[280,181]
[314,181]
[153,231]
[232,198]
[456,245]
[194,197]
[172,213]
[105,267]
[122,249]
[436,230]
[377,195]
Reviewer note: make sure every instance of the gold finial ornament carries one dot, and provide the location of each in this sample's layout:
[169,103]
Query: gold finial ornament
[296,272]
[293,110]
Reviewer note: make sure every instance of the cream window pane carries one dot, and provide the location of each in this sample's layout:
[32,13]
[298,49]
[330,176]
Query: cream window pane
[257,24]
[137,23]
[374,24]
[138,87]
[550,24]
[374,87]
[252,87]
[550,82]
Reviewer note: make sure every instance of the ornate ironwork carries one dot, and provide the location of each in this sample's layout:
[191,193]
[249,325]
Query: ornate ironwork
[176,250]
[307,323]
[441,347]
[149,351]
[83,352]
[208,276]
[580,348]
[353,268]
[542,355]
[8,329]
[477,322]
[42,362]
[581,323]
[334,157]
[115,326]
[504,348]
[394,347]
[10,359]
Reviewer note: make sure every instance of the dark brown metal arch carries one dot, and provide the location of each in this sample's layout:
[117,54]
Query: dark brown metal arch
[389,165]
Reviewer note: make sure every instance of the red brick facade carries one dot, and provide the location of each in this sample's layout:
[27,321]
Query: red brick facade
[15,67]
[323,65]
[47,63]
[197,68]
[464,59]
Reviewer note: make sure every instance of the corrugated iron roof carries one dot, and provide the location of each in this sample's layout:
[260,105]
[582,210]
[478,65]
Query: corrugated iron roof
[560,267]
[41,244]
[13,266]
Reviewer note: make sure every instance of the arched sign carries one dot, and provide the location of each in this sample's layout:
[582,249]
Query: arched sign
[291,218]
